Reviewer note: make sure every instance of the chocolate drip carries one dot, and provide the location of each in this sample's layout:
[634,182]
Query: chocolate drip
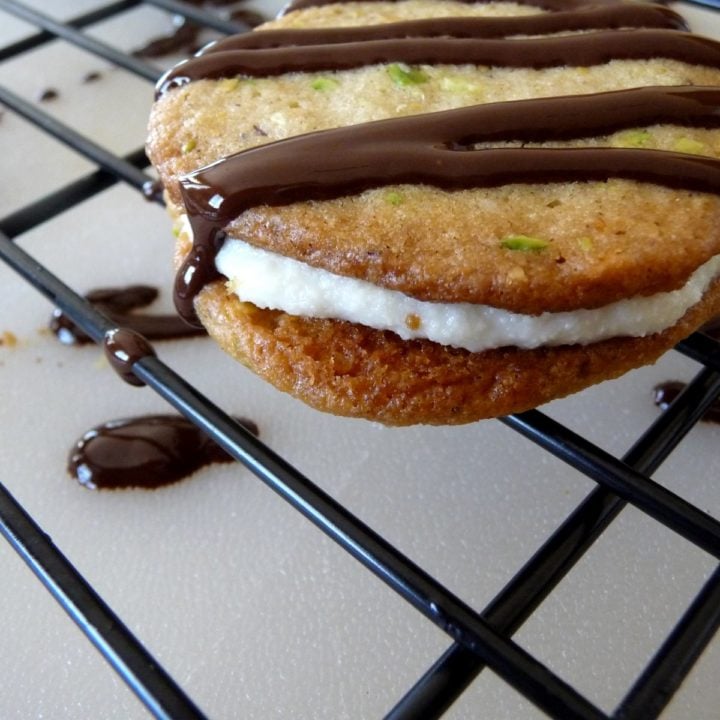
[584,50]
[593,18]
[144,452]
[436,149]
[118,304]
[123,348]
[666,392]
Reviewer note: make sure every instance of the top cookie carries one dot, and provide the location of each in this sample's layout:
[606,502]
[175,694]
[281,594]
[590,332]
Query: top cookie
[594,242]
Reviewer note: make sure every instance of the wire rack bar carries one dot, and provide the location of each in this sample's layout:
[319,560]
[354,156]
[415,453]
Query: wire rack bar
[57,202]
[671,664]
[71,35]
[78,22]
[663,505]
[701,348]
[445,681]
[75,140]
[142,673]
[714,4]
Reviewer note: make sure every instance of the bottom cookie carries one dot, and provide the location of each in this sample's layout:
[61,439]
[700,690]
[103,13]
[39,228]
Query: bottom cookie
[355,371]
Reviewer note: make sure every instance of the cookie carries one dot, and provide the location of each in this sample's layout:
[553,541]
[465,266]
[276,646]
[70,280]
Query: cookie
[434,212]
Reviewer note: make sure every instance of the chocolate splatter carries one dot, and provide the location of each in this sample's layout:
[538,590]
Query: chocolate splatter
[48,94]
[91,77]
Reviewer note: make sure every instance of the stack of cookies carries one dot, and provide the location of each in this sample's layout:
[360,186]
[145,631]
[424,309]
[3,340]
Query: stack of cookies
[432,211]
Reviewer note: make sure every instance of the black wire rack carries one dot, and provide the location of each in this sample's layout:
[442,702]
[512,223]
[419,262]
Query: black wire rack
[480,638]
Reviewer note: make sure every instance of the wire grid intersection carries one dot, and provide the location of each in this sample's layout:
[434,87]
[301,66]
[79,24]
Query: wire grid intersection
[479,639]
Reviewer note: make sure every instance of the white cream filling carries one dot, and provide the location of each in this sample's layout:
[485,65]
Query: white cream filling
[276,282]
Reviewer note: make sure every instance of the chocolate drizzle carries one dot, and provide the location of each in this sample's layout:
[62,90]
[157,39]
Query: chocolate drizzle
[605,17]
[437,149]
[119,305]
[579,50]
[144,452]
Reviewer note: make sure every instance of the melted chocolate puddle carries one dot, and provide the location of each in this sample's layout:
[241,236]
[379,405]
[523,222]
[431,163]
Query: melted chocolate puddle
[119,305]
[148,452]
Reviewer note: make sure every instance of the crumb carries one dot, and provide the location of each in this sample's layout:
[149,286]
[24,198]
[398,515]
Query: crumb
[413,321]
[91,77]
[8,339]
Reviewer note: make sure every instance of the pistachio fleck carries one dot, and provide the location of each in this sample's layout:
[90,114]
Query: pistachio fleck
[229,84]
[633,139]
[689,146]
[188,146]
[403,75]
[585,243]
[324,84]
[394,198]
[524,243]
[459,84]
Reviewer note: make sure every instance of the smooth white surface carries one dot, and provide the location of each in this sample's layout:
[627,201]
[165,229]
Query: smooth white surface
[249,607]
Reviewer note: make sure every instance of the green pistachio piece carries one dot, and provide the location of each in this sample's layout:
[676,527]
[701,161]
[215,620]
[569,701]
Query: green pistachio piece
[229,84]
[633,139]
[188,146]
[689,146]
[525,243]
[585,243]
[460,85]
[404,75]
[394,198]
[323,84]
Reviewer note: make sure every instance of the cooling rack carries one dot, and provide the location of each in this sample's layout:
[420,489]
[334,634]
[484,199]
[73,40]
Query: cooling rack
[478,638]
